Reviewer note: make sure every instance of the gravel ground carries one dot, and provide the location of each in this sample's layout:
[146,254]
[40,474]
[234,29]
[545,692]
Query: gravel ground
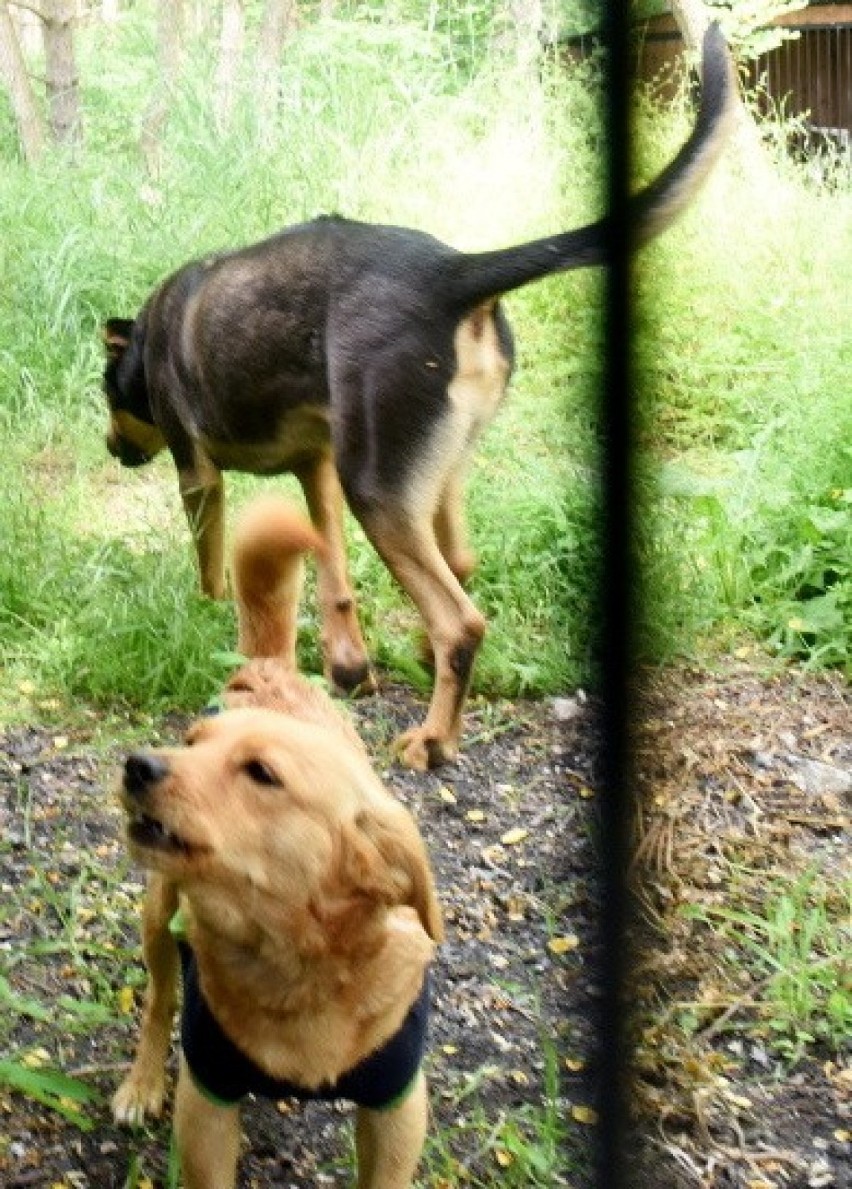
[507,826]
[511,827]
[744,794]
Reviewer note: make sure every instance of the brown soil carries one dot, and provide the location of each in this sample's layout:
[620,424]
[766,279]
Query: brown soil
[744,797]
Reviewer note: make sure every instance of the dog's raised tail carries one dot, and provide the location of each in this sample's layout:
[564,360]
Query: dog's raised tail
[481,276]
[271,538]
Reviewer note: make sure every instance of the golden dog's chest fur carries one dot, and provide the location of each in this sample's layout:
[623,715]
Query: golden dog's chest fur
[314,1032]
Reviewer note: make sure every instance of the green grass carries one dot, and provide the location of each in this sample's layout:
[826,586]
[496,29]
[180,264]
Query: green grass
[78,936]
[92,615]
[745,419]
[98,601]
[793,950]
[67,1096]
[527,1147]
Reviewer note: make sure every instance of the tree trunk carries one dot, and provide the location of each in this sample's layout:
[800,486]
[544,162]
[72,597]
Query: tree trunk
[170,26]
[231,40]
[13,73]
[27,24]
[62,84]
[520,23]
[280,21]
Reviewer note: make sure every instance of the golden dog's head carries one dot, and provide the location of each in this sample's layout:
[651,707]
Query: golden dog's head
[276,827]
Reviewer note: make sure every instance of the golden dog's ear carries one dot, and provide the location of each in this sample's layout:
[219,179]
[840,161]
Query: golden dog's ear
[385,859]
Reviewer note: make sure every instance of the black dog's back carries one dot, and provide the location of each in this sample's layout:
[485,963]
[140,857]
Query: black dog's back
[281,325]
[285,323]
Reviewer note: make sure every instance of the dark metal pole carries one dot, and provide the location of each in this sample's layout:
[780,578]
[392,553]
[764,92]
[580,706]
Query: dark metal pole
[617,596]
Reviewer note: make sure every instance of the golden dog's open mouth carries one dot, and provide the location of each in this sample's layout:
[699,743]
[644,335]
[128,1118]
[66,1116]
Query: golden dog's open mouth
[144,774]
[150,833]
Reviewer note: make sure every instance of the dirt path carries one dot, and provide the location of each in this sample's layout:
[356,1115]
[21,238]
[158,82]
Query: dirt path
[743,835]
[511,828]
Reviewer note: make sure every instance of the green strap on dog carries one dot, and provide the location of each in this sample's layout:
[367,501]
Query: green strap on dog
[177,926]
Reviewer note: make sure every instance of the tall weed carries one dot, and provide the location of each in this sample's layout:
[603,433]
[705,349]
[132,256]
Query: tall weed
[99,619]
[796,948]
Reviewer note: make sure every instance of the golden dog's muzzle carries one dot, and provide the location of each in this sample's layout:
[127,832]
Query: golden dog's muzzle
[144,772]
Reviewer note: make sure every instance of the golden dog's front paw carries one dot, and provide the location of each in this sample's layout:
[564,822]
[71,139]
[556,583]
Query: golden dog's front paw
[139,1097]
[419,749]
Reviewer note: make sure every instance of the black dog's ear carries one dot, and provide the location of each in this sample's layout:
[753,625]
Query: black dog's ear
[116,334]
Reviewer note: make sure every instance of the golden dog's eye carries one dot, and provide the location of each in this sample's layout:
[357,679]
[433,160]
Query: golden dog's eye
[261,774]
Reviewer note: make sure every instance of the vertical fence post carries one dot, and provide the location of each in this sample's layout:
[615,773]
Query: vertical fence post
[616,603]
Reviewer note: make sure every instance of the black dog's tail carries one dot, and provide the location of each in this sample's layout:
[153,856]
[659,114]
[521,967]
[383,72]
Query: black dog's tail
[488,274]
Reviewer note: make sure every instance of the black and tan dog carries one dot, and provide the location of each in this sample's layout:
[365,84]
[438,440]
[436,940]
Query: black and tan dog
[306,908]
[367,356]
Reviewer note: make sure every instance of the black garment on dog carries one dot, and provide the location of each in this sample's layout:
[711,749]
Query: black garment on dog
[225,1074]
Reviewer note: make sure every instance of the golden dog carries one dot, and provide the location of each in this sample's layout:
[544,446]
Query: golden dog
[294,891]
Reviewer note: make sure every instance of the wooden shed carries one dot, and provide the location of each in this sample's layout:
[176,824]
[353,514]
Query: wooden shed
[808,76]
[812,74]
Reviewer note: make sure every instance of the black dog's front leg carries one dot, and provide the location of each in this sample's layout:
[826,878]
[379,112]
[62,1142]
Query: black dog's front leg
[204,503]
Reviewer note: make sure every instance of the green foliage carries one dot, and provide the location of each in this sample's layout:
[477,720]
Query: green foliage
[528,1148]
[747,23]
[802,569]
[89,616]
[67,1096]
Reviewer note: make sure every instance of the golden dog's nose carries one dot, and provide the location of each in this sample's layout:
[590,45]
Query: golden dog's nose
[142,772]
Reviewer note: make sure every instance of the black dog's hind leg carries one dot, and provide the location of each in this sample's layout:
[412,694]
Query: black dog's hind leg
[455,628]
[451,535]
[412,510]
[450,530]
